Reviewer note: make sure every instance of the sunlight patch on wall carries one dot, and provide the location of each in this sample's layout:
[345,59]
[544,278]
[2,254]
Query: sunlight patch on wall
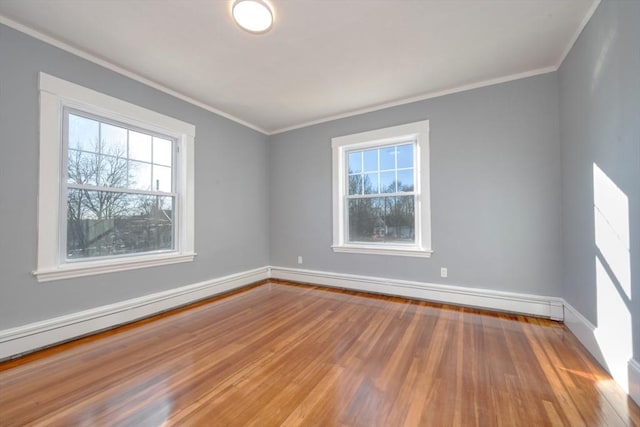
[613,275]
[614,327]
[611,214]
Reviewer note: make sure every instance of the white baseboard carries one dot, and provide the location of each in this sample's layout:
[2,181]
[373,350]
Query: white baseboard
[34,336]
[634,380]
[31,337]
[550,307]
[584,330]
[533,305]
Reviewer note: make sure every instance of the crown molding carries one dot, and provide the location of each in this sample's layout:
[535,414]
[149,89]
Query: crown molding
[579,30]
[122,71]
[376,107]
[423,97]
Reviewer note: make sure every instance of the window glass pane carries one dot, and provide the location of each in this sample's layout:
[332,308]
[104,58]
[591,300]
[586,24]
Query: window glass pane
[365,218]
[370,183]
[400,219]
[161,178]
[112,171]
[405,180]
[114,140]
[139,175]
[355,184]
[371,160]
[382,219]
[104,223]
[355,162]
[405,156]
[83,133]
[388,182]
[388,158]
[139,146]
[82,167]
[162,151]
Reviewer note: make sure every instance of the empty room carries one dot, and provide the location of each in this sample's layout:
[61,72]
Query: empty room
[320,213]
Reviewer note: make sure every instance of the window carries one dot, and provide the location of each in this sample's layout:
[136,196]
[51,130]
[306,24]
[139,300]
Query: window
[116,184]
[381,191]
[119,189]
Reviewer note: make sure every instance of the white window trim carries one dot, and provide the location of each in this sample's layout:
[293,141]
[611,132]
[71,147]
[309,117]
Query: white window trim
[55,94]
[418,131]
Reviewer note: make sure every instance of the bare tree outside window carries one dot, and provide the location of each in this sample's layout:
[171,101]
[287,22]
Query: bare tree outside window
[381,206]
[106,214]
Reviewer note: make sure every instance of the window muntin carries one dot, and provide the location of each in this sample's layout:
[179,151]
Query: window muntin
[380,196]
[120,195]
[381,191]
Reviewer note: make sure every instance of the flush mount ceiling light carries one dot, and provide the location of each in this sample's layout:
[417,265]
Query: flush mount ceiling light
[254,16]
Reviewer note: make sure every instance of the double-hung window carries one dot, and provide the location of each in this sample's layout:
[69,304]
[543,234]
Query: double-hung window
[120,192]
[116,184]
[381,191]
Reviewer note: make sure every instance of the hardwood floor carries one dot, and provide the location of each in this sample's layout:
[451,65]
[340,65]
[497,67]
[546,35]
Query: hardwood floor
[283,354]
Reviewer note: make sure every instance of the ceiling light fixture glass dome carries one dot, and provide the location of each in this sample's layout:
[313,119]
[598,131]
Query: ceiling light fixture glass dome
[254,16]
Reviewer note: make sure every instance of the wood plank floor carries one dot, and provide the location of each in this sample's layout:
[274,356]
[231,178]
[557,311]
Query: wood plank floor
[283,354]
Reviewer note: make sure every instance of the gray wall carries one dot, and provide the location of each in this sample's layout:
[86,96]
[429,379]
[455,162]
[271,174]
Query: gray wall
[230,185]
[495,191]
[600,123]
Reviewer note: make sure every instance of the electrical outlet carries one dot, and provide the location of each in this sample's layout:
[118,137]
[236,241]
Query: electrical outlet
[444,272]
[299,259]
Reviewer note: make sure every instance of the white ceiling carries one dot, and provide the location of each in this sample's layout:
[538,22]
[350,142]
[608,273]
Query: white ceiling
[323,59]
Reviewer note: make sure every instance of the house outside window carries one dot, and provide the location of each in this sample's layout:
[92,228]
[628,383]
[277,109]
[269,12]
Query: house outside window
[381,191]
[116,184]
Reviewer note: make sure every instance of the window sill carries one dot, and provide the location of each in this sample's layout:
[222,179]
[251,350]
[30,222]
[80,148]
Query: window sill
[90,268]
[387,250]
